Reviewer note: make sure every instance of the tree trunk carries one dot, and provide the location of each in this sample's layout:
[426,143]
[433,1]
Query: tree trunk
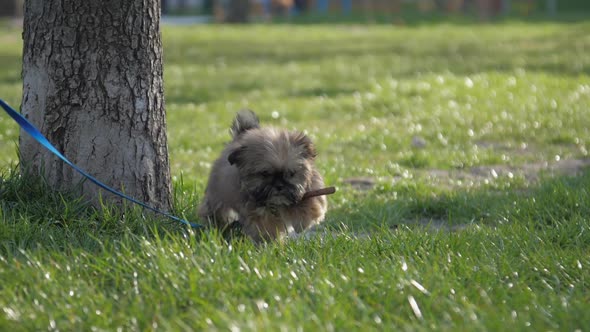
[484,8]
[92,83]
[8,8]
[238,11]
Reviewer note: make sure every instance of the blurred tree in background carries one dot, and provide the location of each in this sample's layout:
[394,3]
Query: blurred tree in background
[11,8]
[238,11]
[241,11]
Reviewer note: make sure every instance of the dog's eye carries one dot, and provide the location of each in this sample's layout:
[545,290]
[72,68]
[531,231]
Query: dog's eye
[265,174]
[290,174]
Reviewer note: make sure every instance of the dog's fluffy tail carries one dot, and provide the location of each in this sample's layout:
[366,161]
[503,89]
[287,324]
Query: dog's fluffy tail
[244,121]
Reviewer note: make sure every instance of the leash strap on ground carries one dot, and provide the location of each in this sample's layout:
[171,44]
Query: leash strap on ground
[36,134]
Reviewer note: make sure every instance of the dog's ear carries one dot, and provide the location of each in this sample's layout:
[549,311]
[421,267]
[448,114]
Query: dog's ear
[235,156]
[305,143]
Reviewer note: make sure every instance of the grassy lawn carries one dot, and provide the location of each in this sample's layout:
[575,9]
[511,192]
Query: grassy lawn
[470,142]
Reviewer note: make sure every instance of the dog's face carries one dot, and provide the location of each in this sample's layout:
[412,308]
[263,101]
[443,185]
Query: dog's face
[275,166]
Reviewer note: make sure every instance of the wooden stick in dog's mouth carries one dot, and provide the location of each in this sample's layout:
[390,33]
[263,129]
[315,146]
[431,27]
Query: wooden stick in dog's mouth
[319,192]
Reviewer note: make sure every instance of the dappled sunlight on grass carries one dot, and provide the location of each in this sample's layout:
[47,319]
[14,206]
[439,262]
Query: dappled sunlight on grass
[460,153]
[461,89]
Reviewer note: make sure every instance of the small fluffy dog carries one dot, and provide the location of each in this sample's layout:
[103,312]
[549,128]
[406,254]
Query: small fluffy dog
[260,179]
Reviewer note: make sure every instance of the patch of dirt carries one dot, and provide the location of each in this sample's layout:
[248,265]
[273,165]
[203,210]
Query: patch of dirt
[360,183]
[530,172]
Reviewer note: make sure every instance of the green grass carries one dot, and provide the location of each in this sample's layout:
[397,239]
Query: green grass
[459,251]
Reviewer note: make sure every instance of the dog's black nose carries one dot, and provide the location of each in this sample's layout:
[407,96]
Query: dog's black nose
[279,183]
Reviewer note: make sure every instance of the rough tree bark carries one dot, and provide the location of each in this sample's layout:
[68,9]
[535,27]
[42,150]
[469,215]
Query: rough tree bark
[92,83]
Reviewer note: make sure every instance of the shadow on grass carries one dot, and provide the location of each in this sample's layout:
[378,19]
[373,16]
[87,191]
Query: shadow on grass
[387,54]
[553,199]
[412,17]
[34,217]
[466,55]
[329,91]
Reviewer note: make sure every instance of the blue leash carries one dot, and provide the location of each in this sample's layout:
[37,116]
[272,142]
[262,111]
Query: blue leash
[36,134]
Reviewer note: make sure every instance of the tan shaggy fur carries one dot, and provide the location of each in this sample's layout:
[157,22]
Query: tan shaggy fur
[260,180]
